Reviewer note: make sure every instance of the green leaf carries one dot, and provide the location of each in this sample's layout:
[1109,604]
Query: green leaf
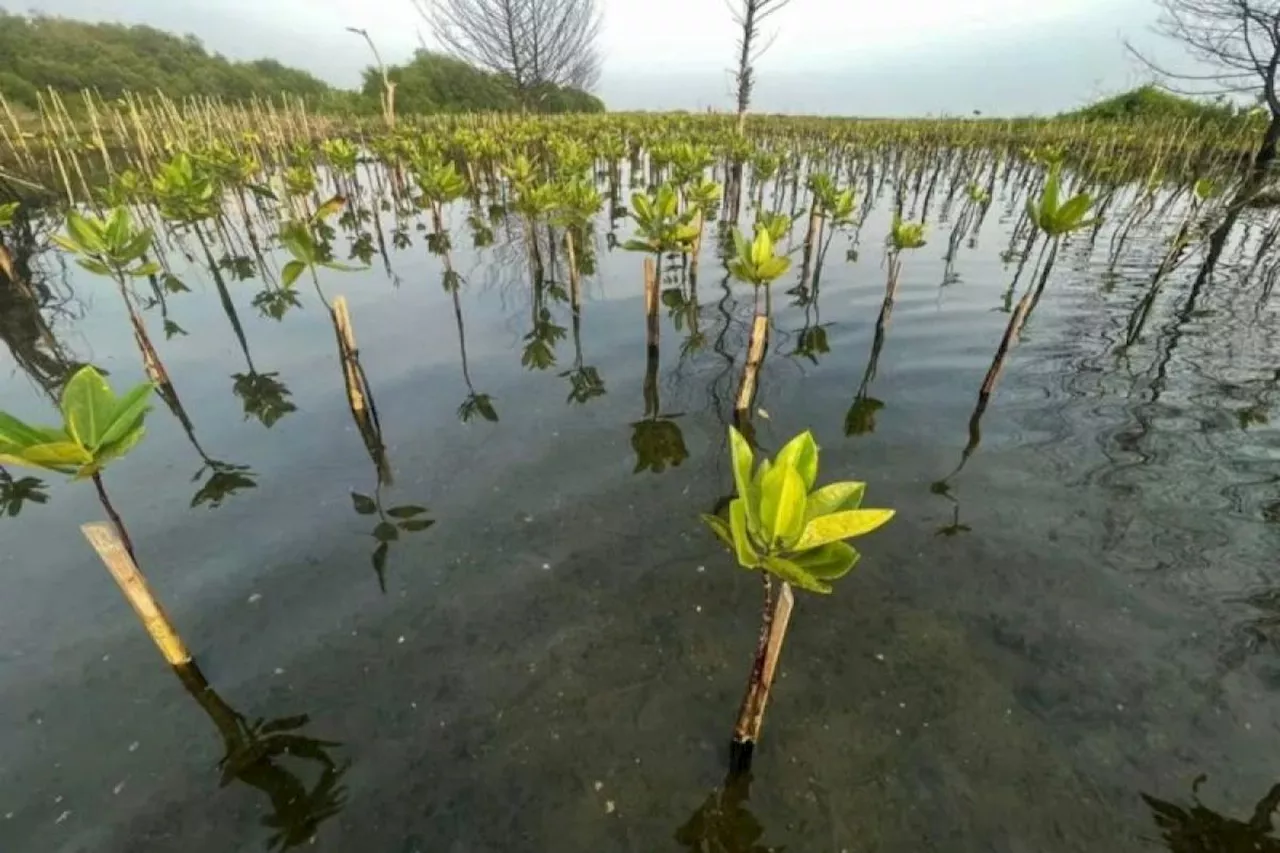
[719,527]
[783,498]
[833,498]
[56,455]
[841,525]
[794,575]
[147,269]
[334,265]
[363,503]
[68,244]
[747,556]
[116,233]
[638,246]
[95,267]
[386,532]
[828,562]
[85,233]
[138,246]
[14,432]
[291,271]
[87,406]
[742,457]
[801,453]
[406,511]
[108,452]
[128,414]
[1070,214]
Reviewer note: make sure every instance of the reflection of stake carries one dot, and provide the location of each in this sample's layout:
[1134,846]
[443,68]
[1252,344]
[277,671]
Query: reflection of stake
[359,394]
[775,618]
[113,552]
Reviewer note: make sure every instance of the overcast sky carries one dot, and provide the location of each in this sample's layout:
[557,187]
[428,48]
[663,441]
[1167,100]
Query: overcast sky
[846,57]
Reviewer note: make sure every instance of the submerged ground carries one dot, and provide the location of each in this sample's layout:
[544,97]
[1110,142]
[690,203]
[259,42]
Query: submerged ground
[1055,648]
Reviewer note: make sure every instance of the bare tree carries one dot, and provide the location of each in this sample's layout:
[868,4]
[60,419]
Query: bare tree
[1236,44]
[750,14]
[388,98]
[533,43]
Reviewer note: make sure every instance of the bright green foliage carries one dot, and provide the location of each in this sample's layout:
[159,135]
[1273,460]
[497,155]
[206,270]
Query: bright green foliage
[183,192]
[689,161]
[777,223]
[1205,189]
[756,263]
[906,235]
[299,239]
[6,214]
[661,225]
[97,427]
[780,523]
[440,182]
[704,195]
[341,154]
[829,201]
[1055,217]
[577,203]
[977,194]
[111,246]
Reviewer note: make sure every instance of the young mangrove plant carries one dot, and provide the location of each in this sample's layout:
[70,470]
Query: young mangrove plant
[97,428]
[784,526]
[756,264]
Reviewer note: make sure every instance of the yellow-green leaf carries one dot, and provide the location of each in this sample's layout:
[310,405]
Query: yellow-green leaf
[828,562]
[58,456]
[128,414]
[841,525]
[782,503]
[719,527]
[834,497]
[801,453]
[794,575]
[87,405]
[741,455]
[747,556]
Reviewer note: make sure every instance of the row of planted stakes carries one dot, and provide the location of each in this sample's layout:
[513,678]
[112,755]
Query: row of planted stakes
[780,520]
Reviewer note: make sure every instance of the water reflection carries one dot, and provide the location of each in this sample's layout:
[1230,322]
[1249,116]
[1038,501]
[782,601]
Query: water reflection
[1196,828]
[724,823]
[275,757]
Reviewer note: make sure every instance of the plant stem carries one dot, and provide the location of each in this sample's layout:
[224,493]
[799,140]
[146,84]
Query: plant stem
[114,516]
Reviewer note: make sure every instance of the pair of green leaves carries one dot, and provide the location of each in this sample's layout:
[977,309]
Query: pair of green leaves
[440,182]
[108,246]
[780,523]
[97,427]
[298,238]
[756,262]
[1054,216]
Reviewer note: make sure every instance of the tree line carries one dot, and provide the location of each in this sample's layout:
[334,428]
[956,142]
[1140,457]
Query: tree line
[39,52]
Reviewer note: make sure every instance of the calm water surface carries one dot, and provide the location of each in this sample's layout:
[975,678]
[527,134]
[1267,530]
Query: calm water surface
[1056,648]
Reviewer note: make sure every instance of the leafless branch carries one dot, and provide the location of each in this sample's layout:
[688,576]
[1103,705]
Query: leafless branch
[533,43]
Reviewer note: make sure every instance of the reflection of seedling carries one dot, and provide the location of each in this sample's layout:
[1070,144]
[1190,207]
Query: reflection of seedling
[16,493]
[264,397]
[391,523]
[225,480]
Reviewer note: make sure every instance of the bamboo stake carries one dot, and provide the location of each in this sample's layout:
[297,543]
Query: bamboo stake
[111,549]
[755,358]
[773,631]
[349,352]
[651,302]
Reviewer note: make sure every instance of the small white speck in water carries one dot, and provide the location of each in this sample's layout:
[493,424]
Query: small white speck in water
[118,788]
[133,747]
[279,671]
[401,640]
[63,816]
[255,598]
[599,785]
[702,568]
[546,567]
[609,807]
[698,608]
[880,658]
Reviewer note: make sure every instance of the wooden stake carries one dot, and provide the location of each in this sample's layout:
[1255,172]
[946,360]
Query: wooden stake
[755,358]
[746,733]
[651,301]
[348,351]
[111,550]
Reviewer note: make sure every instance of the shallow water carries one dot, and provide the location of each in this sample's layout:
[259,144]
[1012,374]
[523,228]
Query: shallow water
[1043,651]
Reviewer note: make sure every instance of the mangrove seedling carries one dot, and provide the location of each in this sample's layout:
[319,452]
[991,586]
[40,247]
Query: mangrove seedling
[97,428]
[905,235]
[782,525]
[756,262]
[661,226]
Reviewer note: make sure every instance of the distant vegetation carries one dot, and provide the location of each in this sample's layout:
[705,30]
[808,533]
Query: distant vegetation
[432,83]
[38,53]
[1150,103]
